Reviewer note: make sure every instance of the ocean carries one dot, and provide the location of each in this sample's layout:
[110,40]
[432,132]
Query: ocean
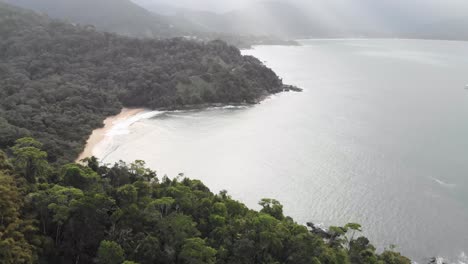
[379,137]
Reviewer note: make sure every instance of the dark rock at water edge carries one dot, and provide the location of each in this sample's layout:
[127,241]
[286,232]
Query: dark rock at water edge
[292,88]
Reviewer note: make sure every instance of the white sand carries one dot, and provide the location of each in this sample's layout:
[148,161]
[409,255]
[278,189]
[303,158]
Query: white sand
[99,134]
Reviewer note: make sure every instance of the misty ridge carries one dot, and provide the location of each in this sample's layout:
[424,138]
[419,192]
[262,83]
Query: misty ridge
[264,21]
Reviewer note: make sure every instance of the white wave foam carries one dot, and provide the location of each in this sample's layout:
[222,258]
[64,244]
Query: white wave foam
[461,259]
[122,127]
[109,143]
[234,107]
[445,184]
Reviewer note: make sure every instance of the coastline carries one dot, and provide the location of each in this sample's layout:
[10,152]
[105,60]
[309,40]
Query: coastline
[99,134]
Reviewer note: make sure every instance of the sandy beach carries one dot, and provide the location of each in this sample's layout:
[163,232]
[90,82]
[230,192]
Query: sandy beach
[99,134]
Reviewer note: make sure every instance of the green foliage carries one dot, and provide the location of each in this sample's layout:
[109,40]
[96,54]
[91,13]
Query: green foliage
[30,161]
[164,204]
[110,252]
[14,232]
[125,213]
[195,251]
[5,164]
[60,81]
[80,177]
[126,195]
[272,207]
[391,257]
[353,226]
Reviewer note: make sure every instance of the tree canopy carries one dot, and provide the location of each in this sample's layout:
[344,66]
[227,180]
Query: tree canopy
[60,81]
[83,213]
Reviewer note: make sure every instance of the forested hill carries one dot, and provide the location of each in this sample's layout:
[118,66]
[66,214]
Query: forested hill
[119,16]
[59,81]
[127,18]
[126,214]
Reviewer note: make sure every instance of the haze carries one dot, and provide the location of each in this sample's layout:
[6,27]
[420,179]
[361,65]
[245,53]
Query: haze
[434,19]
[425,7]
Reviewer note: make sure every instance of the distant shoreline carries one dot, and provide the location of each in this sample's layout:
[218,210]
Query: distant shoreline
[380,38]
[99,134]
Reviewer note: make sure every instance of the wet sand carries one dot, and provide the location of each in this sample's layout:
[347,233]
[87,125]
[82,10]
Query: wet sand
[99,134]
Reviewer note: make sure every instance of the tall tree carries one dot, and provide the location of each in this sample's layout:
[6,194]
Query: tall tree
[30,161]
[14,246]
[110,252]
[195,251]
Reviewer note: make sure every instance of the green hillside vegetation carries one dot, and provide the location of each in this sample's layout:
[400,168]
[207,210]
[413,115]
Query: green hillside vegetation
[60,81]
[118,16]
[97,214]
[57,83]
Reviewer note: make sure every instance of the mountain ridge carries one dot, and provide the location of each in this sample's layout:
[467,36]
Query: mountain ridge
[118,16]
[364,18]
[48,65]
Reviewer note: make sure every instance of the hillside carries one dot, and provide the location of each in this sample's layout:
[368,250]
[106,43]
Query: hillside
[124,213]
[333,18]
[260,22]
[118,16]
[279,19]
[60,81]
[129,19]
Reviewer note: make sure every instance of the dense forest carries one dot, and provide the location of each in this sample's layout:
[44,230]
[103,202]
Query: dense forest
[126,214]
[59,81]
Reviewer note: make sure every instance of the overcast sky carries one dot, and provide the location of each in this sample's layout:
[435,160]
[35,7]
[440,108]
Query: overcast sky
[445,7]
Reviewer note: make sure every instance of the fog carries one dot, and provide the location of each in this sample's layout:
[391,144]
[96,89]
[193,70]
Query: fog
[362,17]
[218,6]
[422,7]
[286,19]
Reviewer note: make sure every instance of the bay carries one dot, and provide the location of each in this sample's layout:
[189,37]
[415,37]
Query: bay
[379,136]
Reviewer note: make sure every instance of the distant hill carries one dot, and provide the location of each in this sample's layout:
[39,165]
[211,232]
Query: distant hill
[126,18]
[272,18]
[263,22]
[119,16]
[345,18]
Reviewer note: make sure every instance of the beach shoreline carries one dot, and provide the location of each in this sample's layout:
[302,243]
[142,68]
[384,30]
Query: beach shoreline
[98,135]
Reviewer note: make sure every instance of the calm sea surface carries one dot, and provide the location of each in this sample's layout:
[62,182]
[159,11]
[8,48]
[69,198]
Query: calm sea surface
[378,137]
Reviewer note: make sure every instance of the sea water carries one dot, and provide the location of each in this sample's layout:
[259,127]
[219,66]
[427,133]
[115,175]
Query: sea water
[379,137]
